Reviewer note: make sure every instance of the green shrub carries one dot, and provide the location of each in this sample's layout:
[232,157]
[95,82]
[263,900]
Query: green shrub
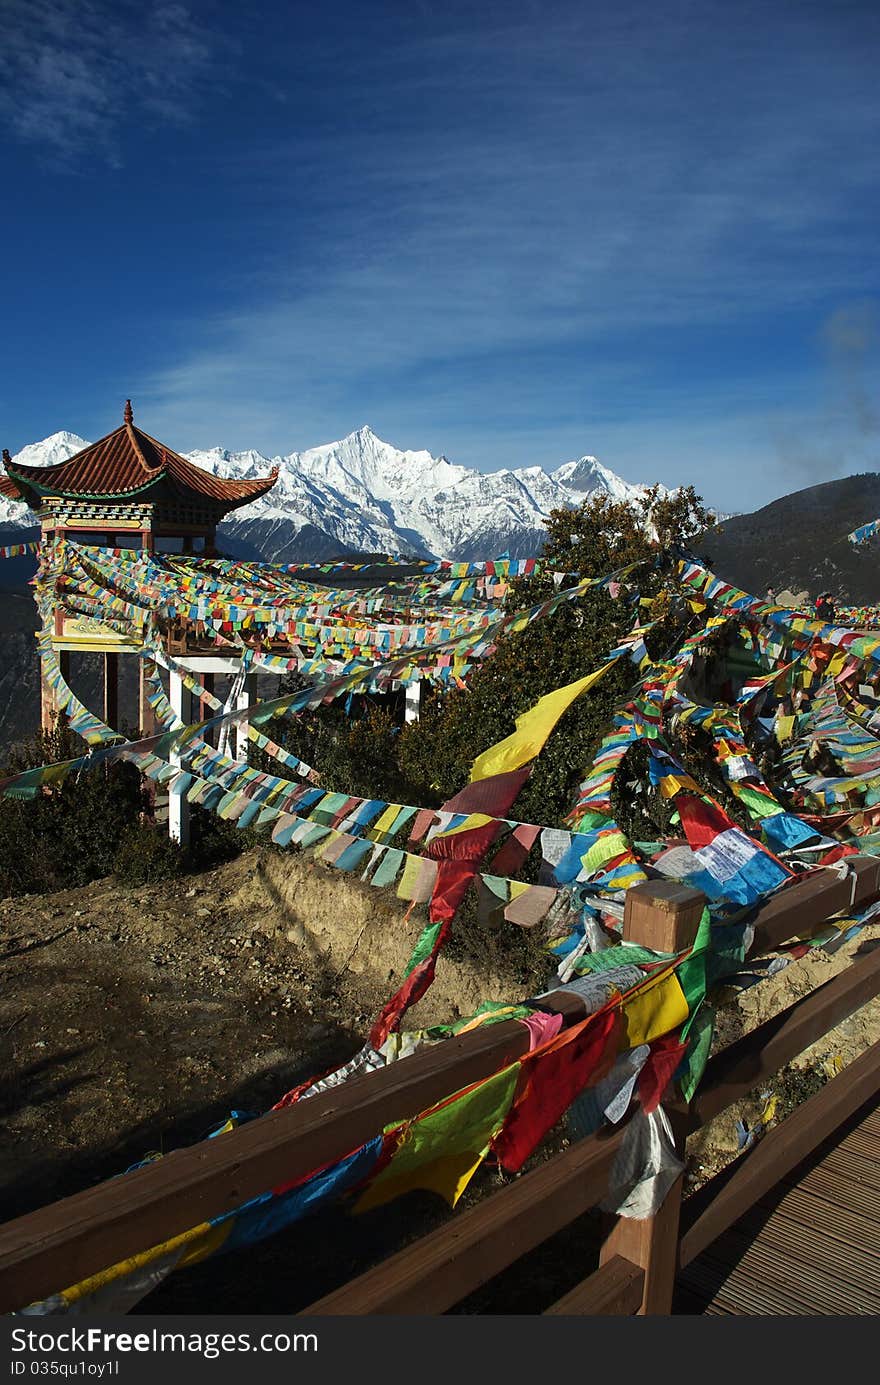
[69,833]
[146,854]
[505,948]
[95,823]
[354,748]
[213,840]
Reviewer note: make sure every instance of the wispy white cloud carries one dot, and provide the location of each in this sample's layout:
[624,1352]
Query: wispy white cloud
[73,72]
[513,231]
[530,186]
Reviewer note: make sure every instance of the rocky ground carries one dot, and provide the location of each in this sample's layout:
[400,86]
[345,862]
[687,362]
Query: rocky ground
[133,1020]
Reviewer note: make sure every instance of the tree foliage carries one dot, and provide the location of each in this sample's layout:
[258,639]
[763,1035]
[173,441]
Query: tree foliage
[437,751]
[353,748]
[96,823]
[67,834]
[598,538]
[361,749]
[603,534]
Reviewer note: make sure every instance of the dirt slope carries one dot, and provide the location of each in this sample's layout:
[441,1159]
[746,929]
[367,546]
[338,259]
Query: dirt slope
[133,1020]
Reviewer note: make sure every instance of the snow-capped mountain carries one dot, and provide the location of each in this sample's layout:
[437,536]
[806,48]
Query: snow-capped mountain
[587,474]
[364,495]
[51,450]
[56,448]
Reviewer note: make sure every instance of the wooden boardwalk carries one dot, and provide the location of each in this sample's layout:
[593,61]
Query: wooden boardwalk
[812,1245]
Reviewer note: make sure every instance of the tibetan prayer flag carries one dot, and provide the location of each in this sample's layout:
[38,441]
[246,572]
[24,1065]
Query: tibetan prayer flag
[551,1077]
[442,1149]
[654,1009]
[744,870]
[533,729]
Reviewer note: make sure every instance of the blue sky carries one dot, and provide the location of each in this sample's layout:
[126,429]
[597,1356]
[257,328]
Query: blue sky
[511,232]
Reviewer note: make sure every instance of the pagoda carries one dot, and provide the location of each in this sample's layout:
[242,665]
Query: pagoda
[129,483]
[126,490]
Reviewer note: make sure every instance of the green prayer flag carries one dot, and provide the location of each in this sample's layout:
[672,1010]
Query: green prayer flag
[693,1065]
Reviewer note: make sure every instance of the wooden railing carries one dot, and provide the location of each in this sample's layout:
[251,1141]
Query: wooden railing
[638,1259]
[69,1240]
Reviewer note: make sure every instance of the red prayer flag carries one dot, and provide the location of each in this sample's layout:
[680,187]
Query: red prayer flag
[412,990]
[550,1079]
[494,795]
[665,1056]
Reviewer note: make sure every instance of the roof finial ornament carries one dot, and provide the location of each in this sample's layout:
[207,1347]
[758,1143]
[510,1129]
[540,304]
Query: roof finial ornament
[128,416]
[6,457]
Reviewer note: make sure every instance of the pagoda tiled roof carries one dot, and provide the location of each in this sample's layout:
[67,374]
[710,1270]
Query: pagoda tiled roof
[9,488]
[129,462]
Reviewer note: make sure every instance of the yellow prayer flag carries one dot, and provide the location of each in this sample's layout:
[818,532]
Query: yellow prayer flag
[518,887]
[54,774]
[532,729]
[332,836]
[472,821]
[671,784]
[654,1010]
[406,886]
[836,663]
[193,1245]
[610,845]
[384,823]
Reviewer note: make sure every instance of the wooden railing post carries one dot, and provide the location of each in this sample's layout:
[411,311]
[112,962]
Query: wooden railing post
[652,1245]
[665,916]
[662,915]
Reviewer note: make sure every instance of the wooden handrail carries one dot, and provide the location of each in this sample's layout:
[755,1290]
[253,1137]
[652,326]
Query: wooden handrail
[749,1061]
[440,1269]
[614,1289]
[449,1263]
[810,899]
[71,1239]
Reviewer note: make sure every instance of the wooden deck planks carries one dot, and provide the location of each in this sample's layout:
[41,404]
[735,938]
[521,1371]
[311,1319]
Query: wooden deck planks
[825,1182]
[810,1246]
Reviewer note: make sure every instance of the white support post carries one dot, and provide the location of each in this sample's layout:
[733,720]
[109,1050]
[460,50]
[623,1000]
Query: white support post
[413,695]
[178,804]
[245,697]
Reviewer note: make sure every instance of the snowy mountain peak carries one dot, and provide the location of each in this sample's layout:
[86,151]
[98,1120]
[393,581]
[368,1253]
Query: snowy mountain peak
[588,474]
[56,448]
[361,494]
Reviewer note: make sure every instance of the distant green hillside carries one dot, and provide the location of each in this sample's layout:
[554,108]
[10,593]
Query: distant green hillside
[800,542]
